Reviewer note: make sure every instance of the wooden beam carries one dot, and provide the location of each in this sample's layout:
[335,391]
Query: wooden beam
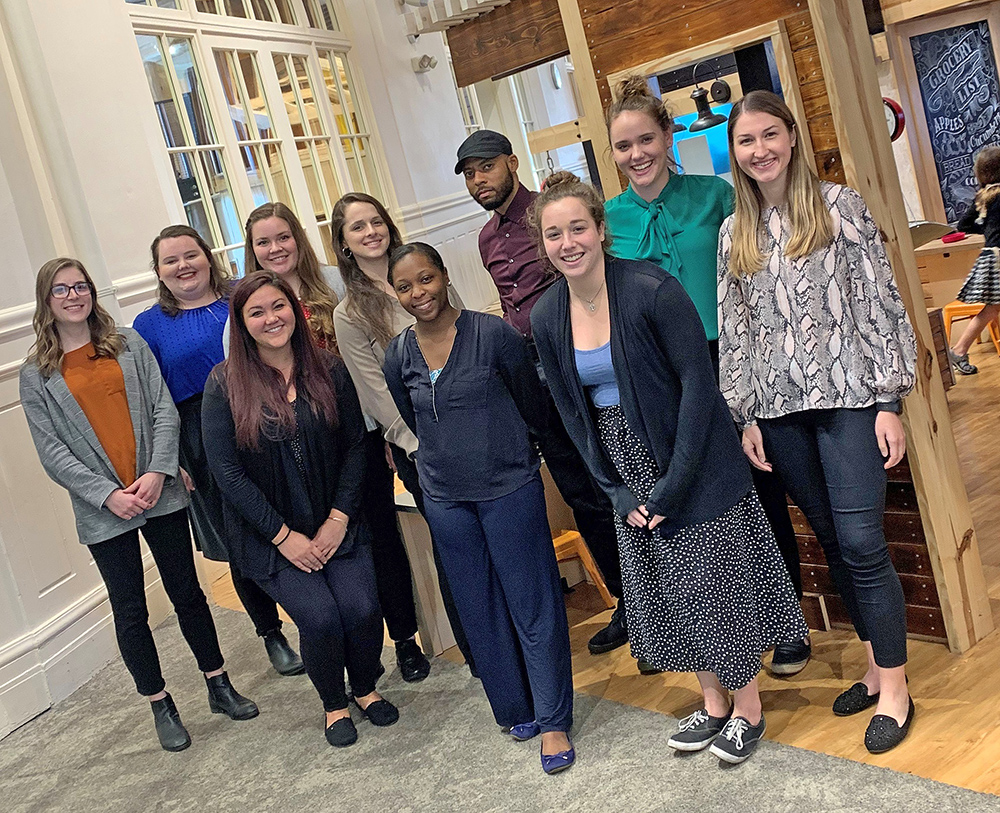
[848,64]
[896,11]
[559,135]
[590,97]
[507,39]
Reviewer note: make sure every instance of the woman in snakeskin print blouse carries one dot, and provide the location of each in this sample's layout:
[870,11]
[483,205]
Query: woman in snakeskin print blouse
[816,355]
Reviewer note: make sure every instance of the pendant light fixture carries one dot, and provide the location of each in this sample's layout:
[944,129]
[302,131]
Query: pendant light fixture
[721,93]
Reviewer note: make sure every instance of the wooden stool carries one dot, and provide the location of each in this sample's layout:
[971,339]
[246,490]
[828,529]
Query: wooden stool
[570,545]
[961,310]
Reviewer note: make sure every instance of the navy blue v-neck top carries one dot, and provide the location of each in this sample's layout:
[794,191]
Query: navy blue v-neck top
[473,420]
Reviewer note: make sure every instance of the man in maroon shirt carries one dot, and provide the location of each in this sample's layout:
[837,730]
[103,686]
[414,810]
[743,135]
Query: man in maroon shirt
[510,254]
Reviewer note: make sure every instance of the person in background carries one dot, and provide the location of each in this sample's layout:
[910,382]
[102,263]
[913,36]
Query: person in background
[365,322]
[184,330]
[276,242]
[285,440]
[628,365]
[106,430]
[465,385]
[983,283]
[510,255]
[673,220]
[802,264]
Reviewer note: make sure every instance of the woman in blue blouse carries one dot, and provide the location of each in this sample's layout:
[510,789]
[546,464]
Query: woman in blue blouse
[466,387]
[184,329]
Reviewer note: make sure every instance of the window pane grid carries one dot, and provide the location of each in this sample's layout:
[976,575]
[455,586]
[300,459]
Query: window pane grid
[262,158]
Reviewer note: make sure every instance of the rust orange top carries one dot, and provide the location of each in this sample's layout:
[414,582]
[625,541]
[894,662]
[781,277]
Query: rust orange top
[99,388]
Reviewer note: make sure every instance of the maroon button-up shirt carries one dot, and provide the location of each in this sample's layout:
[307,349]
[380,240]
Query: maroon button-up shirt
[510,254]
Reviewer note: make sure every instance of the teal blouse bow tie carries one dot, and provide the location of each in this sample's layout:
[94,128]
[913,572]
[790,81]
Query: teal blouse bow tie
[658,228]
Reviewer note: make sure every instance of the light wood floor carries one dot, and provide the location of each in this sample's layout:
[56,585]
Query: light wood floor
[954,734]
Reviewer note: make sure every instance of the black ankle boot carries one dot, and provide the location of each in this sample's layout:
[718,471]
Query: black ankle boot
[283,658]
[169,728]
[224,699]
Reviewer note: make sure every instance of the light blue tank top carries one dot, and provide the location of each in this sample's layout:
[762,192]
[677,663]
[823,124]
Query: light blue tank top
[598,375]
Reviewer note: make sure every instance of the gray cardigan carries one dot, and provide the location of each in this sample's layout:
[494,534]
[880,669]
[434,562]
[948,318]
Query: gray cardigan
[73,457]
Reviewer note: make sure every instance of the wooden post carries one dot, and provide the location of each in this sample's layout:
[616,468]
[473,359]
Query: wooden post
[848,63]
[590,97]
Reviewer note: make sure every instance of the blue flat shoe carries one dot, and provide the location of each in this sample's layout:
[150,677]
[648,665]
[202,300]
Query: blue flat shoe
[553,763]
[525,731]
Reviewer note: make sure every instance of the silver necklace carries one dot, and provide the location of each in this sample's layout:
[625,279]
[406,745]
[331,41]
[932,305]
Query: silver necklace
[591,305]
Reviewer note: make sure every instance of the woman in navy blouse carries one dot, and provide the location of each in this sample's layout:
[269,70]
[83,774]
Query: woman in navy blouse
[466,387]
[184,329]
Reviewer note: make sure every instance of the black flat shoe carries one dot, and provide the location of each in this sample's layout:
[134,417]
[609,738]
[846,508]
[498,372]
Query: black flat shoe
[169,728]
[413,664]
[884,733]
[224,699]
[342,733]
[381,712]
[284,659]
[854,700]
[614,635]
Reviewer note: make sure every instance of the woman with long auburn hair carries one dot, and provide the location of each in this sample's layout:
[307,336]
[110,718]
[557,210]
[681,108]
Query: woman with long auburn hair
[285,440]
[185,329]
[365,321]
[802,263]
[106,430]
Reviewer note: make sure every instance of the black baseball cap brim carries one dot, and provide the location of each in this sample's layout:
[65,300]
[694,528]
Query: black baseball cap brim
[483,144]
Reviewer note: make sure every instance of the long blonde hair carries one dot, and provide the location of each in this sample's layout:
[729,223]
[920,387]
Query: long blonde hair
[808,213]
[47,353]
[314,293]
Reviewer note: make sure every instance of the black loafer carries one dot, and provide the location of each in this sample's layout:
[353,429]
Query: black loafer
[854,700]
[413,664]
[884,733]
[614,635]
[342,733]
[381,712]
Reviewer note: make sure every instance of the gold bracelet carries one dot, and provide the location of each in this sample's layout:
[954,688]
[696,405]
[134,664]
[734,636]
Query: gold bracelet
[337,519]
[283,539]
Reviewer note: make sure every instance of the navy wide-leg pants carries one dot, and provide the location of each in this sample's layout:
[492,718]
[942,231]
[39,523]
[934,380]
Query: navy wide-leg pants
[501,566]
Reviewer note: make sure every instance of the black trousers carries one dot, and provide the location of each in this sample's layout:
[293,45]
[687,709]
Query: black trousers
[207,520]
[831,463]
[771,493]
[119,561]
[336,611]
[392,566]
[407,471]
[591,507]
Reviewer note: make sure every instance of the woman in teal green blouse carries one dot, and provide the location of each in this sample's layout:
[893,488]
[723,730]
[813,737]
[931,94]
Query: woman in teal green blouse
[674,221]
[669,219]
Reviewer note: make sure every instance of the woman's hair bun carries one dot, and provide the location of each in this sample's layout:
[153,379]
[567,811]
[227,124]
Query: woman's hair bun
[633,86]
[559,178]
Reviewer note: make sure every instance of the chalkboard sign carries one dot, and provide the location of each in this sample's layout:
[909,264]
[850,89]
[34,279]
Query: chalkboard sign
[957,73]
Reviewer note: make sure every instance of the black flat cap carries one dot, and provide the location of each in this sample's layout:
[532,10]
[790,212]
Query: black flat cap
[483,144]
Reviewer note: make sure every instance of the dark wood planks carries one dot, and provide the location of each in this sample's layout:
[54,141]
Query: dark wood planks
[508,39]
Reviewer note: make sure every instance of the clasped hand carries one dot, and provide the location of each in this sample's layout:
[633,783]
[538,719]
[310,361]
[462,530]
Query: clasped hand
[310,555]
[640,518]
[143,494]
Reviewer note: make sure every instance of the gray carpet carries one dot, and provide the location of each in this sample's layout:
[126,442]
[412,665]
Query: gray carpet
[97,752]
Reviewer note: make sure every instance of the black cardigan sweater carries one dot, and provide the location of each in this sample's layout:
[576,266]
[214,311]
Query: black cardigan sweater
[668,393]
[263,488]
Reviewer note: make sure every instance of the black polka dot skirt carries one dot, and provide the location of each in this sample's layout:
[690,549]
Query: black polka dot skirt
[711,597]
[983,282]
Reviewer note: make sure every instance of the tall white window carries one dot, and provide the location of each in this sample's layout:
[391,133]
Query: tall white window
[248,118]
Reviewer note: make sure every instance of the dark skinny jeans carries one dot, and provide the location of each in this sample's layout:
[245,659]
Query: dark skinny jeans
[830,463]
[119,561]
